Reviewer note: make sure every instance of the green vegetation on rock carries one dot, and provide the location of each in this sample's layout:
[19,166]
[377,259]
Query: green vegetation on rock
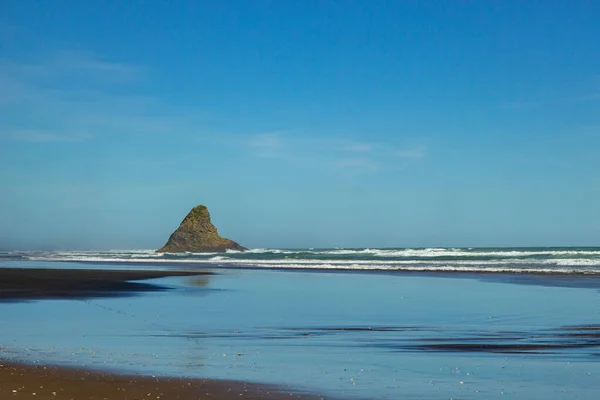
[197,234]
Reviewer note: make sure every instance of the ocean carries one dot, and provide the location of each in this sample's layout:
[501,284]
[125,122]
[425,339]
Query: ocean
[433,323]
[535,260]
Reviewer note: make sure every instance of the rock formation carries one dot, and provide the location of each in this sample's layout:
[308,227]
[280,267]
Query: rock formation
[197,234]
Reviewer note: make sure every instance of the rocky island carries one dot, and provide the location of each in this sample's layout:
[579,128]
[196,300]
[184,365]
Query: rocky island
[197,234]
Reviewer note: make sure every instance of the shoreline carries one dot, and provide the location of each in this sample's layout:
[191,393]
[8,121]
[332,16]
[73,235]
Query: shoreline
[27,381]
[204,267]
[23,380]
[23,284]
[578,280]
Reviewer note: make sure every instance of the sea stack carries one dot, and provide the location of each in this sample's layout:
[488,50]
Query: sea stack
[198,235]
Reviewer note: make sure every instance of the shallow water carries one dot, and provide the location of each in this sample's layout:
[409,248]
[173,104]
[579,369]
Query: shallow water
[350,335]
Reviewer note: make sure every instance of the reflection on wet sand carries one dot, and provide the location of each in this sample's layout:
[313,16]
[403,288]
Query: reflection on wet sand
[200,281]
[584,340]
[546,341]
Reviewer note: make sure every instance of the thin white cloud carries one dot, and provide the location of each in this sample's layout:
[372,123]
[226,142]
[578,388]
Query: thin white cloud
[66,80]
[358,147]
[266,145]
[72,65]
[589,97]
[94,63]
[356,164]
[572,100]
[524,105]
[412,152]
[72,96]
[12,91]
[304,150]
[38,136]
[266,141]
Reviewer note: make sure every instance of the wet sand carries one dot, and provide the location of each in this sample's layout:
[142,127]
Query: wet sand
[343,335]
[60,383]
[38,284]
[21,381]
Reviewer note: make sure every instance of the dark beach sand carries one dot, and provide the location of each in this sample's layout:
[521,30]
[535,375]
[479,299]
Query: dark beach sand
[39,284]
[59,383]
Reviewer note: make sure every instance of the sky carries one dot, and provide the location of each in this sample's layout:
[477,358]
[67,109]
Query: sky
[300,123]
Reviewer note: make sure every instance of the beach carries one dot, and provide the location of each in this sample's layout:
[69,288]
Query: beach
[35,381]
[50,382]
[330,333]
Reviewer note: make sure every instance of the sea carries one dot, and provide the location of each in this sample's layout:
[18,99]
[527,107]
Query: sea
[536,260]
[406,323]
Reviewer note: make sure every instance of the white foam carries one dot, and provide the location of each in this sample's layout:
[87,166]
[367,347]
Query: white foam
[429,252]
[456,260]
[522,266]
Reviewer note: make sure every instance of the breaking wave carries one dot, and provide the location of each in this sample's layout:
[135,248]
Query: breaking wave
[472,260]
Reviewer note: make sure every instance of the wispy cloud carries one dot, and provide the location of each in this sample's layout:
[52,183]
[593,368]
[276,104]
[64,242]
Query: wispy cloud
[266,141]
[589,97]
[301,149]
[94,63]
[39,136]
[561,101]
[524,105]
[71,96]
[72,65]
[356,163]
[266,145]
[412,152]
[358,147]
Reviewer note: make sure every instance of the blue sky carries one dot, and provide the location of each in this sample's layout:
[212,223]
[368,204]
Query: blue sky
[300,123]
